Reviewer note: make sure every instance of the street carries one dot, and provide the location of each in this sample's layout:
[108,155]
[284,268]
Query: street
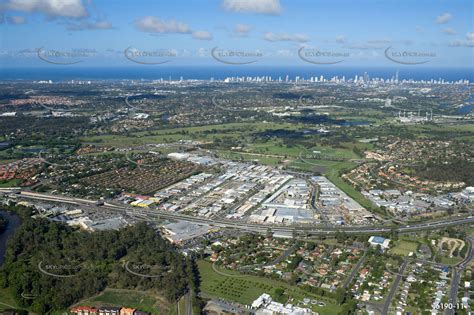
[394,287]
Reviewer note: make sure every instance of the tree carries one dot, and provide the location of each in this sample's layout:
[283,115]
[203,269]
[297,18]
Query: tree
[349,308]
[340,295]
[269,233]
[456,252]
[94,257]
[279,292]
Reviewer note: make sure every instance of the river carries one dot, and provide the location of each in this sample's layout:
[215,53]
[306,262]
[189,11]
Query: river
[13,223]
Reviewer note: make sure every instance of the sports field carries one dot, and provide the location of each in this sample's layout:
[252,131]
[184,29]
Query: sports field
[403,248]
[246,288]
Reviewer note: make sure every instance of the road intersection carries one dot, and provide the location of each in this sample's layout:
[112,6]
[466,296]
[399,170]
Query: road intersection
[299,230]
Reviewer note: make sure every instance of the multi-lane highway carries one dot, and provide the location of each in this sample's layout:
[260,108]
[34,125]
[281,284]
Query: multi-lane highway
[153,214]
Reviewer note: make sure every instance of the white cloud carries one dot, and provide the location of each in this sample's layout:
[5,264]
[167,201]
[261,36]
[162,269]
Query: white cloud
[461,43]
[242,30]
[151,24]
[99,25]
[364,46]
[469,42]
[16,20]
[285,53]
[470,36]
[270,7]
[50,8]
[341,39]
[456,43]
[28,51]
[155,25]
[202,52]
[444,18]
[380,41]
[202,35]
[284,37]
[449,31]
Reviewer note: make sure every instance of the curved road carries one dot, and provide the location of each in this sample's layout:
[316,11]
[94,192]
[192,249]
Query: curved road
[457,271]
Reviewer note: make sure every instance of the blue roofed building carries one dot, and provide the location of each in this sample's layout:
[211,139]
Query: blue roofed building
[379,240]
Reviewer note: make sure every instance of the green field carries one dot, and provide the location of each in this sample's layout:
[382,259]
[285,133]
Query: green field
[462,132]
[243,156]
[246,288]
[274,152]
[312,164]
[403,248]
[10,183]
[467,127]
[274,147]
[6,300]
[181,306]
[203,133]
[331,152]
[450,260]
[141,300]
[470,230]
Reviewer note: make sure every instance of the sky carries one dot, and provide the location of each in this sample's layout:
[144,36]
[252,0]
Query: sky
[238,32]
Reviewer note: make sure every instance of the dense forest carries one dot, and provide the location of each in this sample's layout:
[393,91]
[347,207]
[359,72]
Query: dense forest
[42,255]
[3,224]
[456,170]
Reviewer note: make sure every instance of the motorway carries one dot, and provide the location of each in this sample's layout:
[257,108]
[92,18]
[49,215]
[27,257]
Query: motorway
[152,215]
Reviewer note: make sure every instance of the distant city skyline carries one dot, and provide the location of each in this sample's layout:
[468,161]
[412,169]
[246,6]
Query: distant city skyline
[221,72]
[237,32]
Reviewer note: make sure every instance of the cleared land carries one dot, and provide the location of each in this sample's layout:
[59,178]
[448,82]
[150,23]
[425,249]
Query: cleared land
[403,248]
[6,300]
[246,288]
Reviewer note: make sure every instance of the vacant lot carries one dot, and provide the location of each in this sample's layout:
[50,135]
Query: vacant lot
[6,300]
[246,288]
[403,248]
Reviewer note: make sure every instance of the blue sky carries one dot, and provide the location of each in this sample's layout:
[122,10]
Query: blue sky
[265,31]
